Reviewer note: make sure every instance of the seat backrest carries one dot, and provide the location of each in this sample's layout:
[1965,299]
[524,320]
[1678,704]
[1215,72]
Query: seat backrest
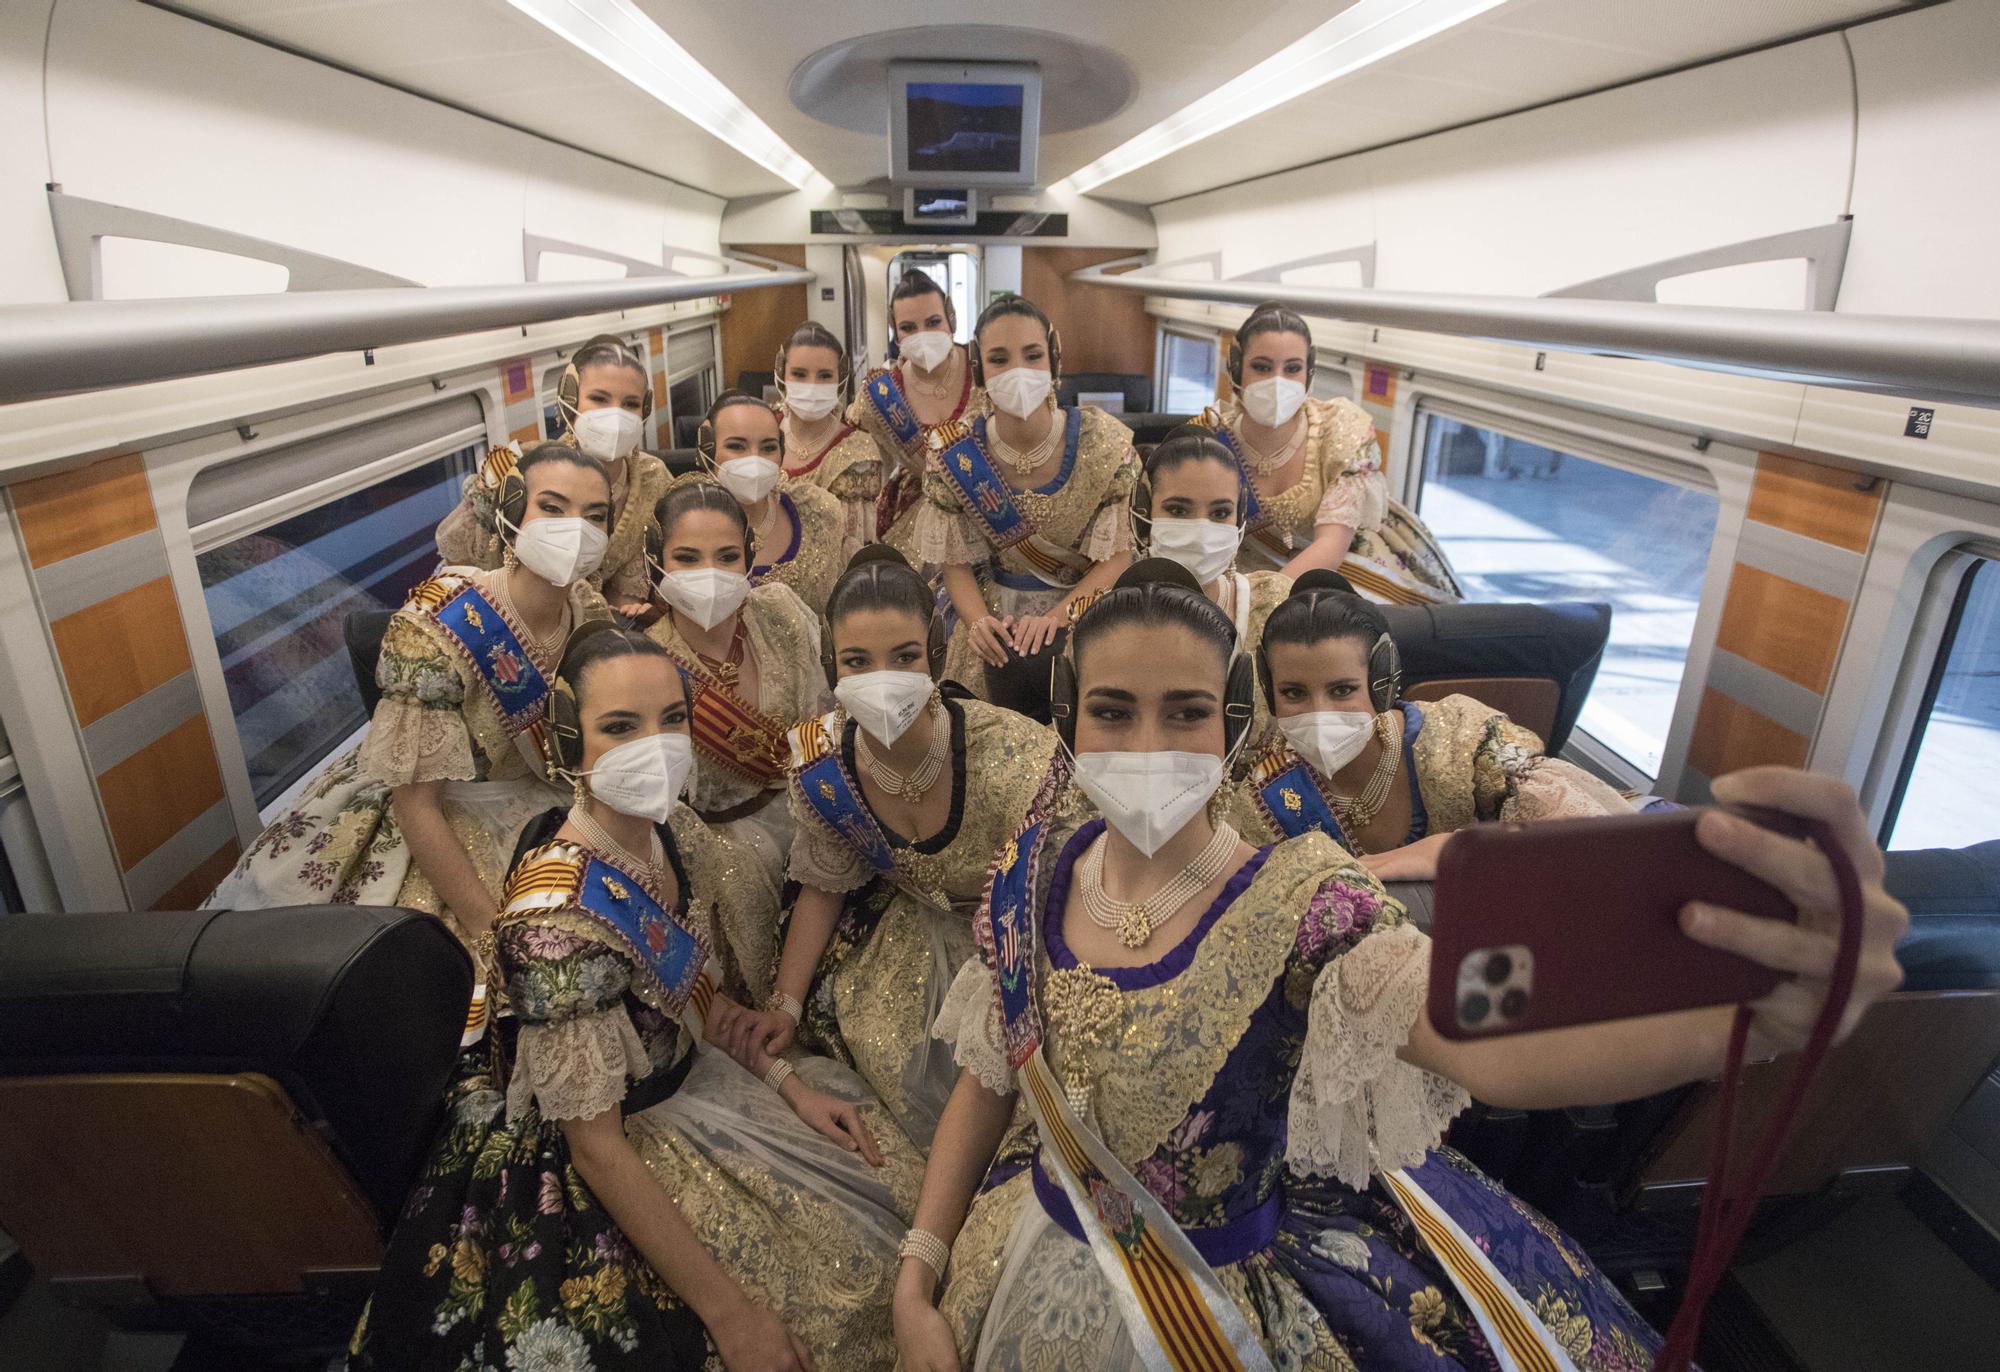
[687,427]
[1536,662]
[753,383]
[681,461]
[1135,387]
[364,632]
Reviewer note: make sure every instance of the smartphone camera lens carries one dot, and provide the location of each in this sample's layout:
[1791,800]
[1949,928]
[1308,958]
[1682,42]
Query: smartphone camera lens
[1513,1002]
[1498,968]
[1474,1009]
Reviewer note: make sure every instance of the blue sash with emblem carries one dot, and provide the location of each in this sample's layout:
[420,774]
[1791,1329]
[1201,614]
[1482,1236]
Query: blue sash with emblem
[484,636]
[1011,922]
[986,495]
[667,949]
[1292,800]
[827,789]
[897,416]
[1253,508]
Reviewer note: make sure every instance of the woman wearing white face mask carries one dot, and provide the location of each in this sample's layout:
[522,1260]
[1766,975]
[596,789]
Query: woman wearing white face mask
[1315,473]
[751,653]
[1025,511]
[1388,779]
[796,531]
[1225,1051]
[901,796]
[928,383]
[765,1207]
[424,812]
[1188,508]
[605,399]
[822,447]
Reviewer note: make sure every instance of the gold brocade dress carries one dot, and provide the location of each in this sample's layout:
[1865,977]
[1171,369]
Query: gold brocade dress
[849,468]
[505,1258]
[1464,762]
[1249,1079]
[901,940]
[738,785]
[903,467]
[806,548]
[470,534]
[1340,482]
[437,722]
[1080,511]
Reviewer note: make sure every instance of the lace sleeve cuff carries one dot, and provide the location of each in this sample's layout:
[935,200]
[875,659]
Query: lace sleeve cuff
[945,537]
[1358,500]
[576,1069]
[969,1020]
[819,859]
[409,743]
[1549,788]
[1109,534]
[1356,1107]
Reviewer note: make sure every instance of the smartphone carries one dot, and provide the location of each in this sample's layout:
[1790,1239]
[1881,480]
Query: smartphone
[1537,926]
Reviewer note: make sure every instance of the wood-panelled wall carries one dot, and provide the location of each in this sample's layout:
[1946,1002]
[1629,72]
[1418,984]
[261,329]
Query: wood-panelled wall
[758,322]
[1102,330]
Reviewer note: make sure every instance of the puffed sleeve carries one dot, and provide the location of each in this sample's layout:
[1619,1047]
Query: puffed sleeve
[861,481]
[1512,779]
[818,858]
[1355,493]
[969,1020]
[944,533]
[577,1048]
[418,733]
[1357,1108]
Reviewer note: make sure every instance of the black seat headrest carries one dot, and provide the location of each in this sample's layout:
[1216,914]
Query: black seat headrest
[1561,642]
[356,1011]
[1953,895]
[364,646]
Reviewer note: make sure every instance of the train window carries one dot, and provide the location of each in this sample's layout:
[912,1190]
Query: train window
[688,397]
[1187,371]
[1333,383]
[279,596]
[1525,522]
[552,424]
[1948,796]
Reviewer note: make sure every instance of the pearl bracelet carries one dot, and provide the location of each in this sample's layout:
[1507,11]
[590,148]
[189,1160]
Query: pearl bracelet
[927,1248]
[778,1073]
[785,1005]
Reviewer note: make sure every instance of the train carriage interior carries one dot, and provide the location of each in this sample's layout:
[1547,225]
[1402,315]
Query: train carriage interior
[1677,326]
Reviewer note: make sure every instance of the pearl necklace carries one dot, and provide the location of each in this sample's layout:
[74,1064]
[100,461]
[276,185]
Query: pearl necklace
[544,650]
[652,871]
[1016,461]
[924,775]
[937,390]
[1356,813]
[1263,463]
[1136,921]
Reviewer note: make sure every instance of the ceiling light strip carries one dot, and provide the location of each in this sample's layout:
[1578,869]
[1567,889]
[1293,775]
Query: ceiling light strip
[1360,35]
[619,35]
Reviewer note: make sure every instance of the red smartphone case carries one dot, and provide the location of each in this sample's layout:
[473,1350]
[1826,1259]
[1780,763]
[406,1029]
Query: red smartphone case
[1588,911]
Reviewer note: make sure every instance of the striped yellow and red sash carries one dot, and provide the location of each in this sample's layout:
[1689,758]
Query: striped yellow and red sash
[731,732]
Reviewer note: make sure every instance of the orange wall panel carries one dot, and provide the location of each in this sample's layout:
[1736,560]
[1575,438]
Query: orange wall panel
[1818,502]
[73,512]
[1792,630]
[759,322]
[160,790]
[1102,330]
[1729,734]
[115,651]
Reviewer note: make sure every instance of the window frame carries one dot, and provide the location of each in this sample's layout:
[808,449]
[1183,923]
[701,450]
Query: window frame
[1212,340]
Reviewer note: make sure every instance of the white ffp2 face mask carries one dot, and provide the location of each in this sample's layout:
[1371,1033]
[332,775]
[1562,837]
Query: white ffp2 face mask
[749,479]
[706,595]
[884,703]
[606,434]
[560,549]
[1019,391]
[811,400]
[1328,739]
[644,777]
[1273,401]
[928,349]
[1148,797]
[1203,546]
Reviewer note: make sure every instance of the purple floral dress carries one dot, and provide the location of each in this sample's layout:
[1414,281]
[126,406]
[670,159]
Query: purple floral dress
[1253,1087]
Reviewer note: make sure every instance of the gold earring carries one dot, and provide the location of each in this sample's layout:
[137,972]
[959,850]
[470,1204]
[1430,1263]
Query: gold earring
[579,793]
[508,562]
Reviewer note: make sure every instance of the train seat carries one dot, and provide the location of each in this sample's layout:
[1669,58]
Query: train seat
[1535,662]
[364,632]
[686,428]
[210,1119]
[1135,389]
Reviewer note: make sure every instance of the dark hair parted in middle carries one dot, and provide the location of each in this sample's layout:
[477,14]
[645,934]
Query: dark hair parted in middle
[1324,605]
[730,399]
[687,495]
[601,642]
[1156,591]
[1186,445]
[553,453]
[878,578]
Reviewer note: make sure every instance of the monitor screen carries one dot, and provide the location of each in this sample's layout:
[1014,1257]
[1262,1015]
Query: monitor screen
[938,206]
[964,126]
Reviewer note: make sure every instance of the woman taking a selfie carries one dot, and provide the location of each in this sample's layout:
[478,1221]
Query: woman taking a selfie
[1238,1097]
[1388,779]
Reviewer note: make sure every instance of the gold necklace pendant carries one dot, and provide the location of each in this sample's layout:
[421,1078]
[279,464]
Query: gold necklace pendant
[1133,926]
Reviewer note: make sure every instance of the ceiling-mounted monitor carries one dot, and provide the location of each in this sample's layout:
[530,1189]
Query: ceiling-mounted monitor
[961,124]
[939,205]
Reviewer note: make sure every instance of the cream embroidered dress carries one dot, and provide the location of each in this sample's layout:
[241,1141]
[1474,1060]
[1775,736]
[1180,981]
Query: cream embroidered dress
[847,467]
[1080,512]
[902,939]
[1251,1083]
[437,721]
[806,546]
[1340,482]
[470,534]
[903,463]
[1464,763]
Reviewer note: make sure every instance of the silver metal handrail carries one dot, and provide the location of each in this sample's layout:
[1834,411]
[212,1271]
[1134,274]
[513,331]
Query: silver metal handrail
[1903,355]
[88,345]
